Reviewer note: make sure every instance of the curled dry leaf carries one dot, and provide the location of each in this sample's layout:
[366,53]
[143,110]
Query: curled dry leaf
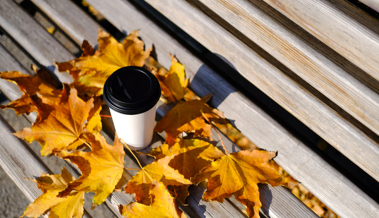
[51,185]
[65,126]
[101,168]
[238,174]
[91,70]
[40,92]
[159,170]
[162,205]
[190,156]
[187,117]
[173,83]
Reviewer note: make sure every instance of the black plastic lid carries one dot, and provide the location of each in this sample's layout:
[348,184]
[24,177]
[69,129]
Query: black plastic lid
[131,90]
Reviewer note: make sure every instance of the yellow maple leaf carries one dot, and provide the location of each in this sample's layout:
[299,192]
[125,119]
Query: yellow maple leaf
[238,174]
[101,168]
[163,205]
[64,126]
[94,67]
[190,156]
[159,170]
[173,83]
[187,117]
[51,185]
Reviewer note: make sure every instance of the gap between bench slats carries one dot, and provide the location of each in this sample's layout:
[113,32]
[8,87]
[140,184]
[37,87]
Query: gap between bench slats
[288,94]
[137,21]
[70,19]
[140,21]
[78,19]
[345,35]
[374,4]
[226,207]
[13,92]
[20,162]
[331,80]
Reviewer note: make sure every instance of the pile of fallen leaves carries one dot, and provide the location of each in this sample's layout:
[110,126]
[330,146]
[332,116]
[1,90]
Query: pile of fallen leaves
[68,126]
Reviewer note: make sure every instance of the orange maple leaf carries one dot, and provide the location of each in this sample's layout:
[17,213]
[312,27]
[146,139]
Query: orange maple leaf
[159,170]
[190,156]
[94,67]
[238,174]
[187,117]
[101,168]
[40,92]
[64,127]
[51,185]
[173,83]
[162,205]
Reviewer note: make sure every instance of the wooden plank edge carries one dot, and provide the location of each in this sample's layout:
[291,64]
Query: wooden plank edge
[190,15]
[20,162]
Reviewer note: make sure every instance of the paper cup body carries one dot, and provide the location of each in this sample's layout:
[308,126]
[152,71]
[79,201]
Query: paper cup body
[131,94]
[136,129]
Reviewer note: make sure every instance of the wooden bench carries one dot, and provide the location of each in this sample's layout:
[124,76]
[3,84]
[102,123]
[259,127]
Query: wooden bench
[297,76]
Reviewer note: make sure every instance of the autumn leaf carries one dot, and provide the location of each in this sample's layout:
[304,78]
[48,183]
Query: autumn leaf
[94,67]
[40,87]
[187,117]
[159,170]
[190,156]
[173,83]
[64,126]
[162,205]
[238,174]
[101,168]
[94,120]
[51,185]
[23,105]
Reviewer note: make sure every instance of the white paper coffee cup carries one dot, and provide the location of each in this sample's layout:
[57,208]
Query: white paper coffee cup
[131,94]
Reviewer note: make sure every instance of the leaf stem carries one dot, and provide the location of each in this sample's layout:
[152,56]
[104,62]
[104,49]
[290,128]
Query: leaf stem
[222,142]
[86,143]
[130,168]
[127,147]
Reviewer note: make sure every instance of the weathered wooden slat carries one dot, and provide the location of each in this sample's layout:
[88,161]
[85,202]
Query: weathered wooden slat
[374,4]
[126,17]
[11,90]
[348,37]
[228,208]
[20,162]
[317,70]
[118,198]
[33,38]
[291,96]
[70,19]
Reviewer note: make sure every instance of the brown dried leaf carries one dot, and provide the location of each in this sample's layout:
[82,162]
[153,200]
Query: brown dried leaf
[162,205]
[187,117]
[64,126]
[101,168]
[238,174]
[51,185]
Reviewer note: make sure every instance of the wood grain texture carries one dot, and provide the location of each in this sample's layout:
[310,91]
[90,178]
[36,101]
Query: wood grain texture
[348,37]
[126,17]
[71,19]
[20,162]
[310,65]
[220,209]
[33,38]
[11,90]
[263,131]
